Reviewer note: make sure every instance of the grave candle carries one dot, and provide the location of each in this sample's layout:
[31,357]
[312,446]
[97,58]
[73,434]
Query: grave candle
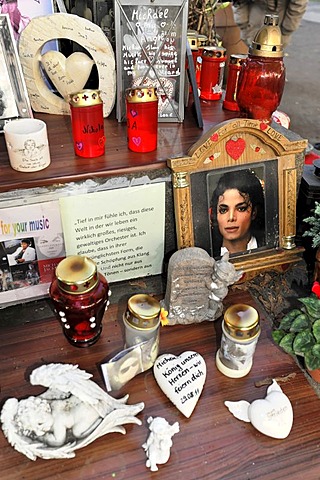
[86,109]
[80,296]
[240,333]
[142,119]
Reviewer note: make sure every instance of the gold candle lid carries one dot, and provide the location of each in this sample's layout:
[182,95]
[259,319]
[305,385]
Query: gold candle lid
[141,94]
[268,41]
[143,311]
[237,59]
[241,322]
[77,274]
[214,52]
[85,98]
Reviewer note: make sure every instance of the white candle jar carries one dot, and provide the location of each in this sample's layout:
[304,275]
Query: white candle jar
[240,333]
[142,320]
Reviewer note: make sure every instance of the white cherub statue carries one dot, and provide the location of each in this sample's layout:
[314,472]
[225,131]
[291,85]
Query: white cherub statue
[158,444]
[73,412]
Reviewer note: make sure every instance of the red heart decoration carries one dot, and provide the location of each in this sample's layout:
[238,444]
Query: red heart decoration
[214,137]
[263,126]
[235,148]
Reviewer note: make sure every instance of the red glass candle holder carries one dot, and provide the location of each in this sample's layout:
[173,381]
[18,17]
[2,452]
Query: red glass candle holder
[235,65]
[212,70]
[262,77]
[142,119]
[86,109]
[80,296]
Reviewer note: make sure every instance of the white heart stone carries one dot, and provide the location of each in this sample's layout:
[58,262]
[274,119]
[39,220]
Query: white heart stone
[181,379]
[272,416]
[68,75]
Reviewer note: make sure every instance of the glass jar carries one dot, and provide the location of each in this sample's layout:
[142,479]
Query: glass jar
[142,320]
[240,333]
[262,77]
[80,296]
[86,109]
[142,118]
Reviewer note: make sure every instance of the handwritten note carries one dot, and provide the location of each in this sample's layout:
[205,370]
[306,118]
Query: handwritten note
[151,41]
[122,230]
[181,379]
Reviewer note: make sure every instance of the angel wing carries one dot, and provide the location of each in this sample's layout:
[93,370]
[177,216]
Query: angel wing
[64,379]
[239,410]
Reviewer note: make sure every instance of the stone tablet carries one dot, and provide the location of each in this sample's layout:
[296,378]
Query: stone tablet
[196,286]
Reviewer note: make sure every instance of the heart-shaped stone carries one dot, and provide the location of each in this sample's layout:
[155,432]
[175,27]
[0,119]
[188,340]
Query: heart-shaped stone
[68,75]
[181,379]
[235,147]
[272,416]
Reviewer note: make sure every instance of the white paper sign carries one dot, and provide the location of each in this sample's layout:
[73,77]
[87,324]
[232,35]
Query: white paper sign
[122,230]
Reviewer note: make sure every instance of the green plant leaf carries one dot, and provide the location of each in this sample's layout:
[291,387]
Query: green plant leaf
[316,350]
[312,362]
[277,335]
[301,322]
[303,342]
[312,305]
[286,321]
[287,343]
[316,330]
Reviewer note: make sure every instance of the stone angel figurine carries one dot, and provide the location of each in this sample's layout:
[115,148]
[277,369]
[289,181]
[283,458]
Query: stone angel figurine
[73,412]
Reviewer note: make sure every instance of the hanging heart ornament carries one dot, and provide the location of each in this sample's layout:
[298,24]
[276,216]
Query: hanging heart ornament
[181,379]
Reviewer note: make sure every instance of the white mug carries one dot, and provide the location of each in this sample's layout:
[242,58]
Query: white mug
[27,144]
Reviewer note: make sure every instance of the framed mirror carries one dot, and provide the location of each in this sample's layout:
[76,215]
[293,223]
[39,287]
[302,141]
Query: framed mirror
[236,191]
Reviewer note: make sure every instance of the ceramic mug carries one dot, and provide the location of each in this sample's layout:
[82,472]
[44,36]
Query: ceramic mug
[27,144]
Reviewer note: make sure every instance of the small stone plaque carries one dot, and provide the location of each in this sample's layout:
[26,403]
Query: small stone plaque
[196,286]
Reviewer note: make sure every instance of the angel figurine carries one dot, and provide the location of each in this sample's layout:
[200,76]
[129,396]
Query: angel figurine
[73,412]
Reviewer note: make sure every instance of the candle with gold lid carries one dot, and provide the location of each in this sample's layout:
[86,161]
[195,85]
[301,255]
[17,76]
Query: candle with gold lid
[240,333]
[142,320]
[262,77]
[86,108]
[142,118]
[80,296]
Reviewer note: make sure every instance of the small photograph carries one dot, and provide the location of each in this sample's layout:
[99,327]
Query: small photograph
[237,211]
[20,251]
[18,265]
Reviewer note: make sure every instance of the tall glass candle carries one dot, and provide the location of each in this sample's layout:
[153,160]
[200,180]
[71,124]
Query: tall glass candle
[235,64]
[262,77]
[212,71]
[142,119]
[86,109]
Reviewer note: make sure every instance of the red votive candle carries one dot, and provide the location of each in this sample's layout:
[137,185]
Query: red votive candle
[86,109]
[80,296]
[262,76]
[142,119]
[212,70]
[235,65]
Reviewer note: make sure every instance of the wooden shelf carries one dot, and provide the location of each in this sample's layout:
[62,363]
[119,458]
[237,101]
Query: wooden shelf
[211,444]
[174,139]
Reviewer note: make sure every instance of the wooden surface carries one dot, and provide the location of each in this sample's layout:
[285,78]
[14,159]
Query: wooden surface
[211,444]
[174,139]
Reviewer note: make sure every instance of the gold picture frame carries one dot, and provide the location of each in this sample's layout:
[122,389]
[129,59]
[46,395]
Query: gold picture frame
[232,146]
